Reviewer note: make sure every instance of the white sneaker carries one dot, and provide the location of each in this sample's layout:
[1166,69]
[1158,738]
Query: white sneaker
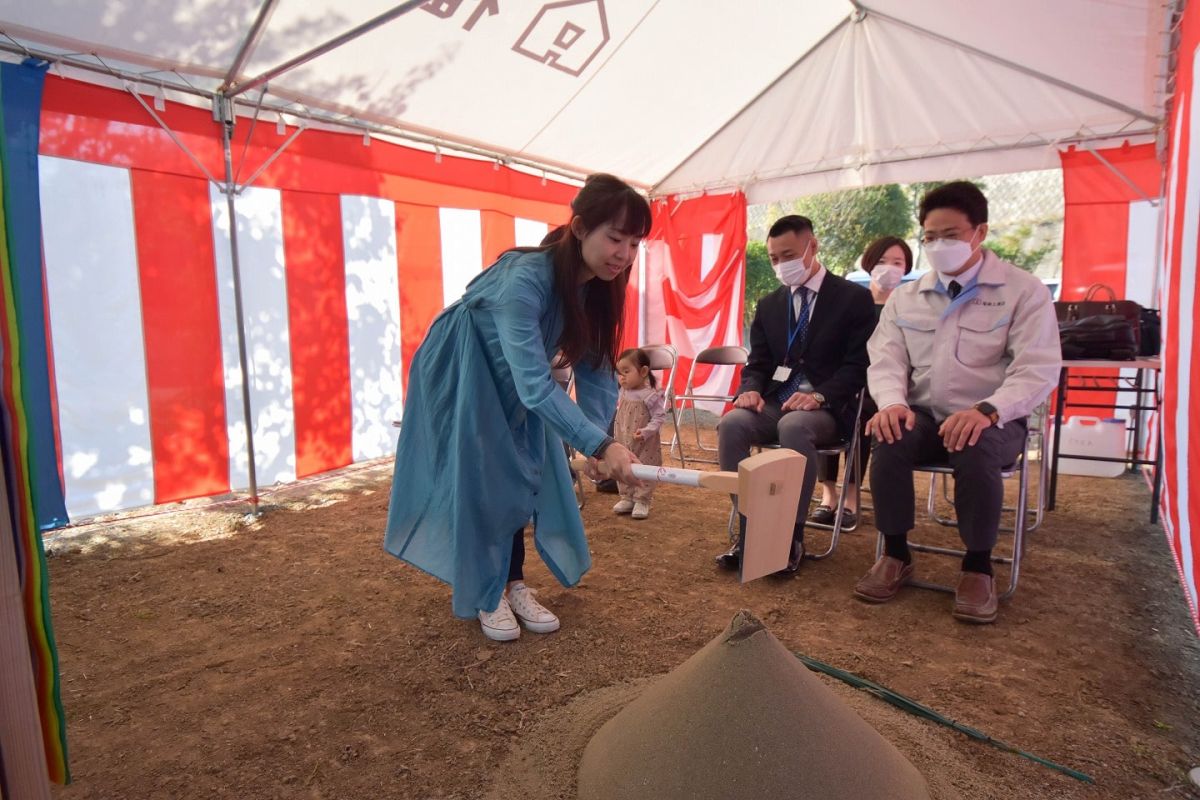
[641,510]
[533,615]
[623,506]
[500,625]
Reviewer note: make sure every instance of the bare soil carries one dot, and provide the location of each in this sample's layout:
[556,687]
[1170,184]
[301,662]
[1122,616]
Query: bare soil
[206,655]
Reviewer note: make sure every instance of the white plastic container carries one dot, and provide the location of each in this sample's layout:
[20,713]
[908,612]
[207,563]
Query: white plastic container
[1092,436]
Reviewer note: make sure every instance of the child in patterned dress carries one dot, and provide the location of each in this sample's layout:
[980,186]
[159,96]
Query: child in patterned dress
[640,415]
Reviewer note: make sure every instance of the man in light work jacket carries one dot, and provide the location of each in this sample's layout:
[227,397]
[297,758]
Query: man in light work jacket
[958,361]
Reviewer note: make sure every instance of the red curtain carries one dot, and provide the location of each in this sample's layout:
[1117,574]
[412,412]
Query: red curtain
[695,283]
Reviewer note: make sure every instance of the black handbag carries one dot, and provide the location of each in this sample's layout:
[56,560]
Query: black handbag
[1151,332]
[1103,336]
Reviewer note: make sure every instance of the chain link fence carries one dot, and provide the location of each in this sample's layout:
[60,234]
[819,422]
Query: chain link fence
[1024,208]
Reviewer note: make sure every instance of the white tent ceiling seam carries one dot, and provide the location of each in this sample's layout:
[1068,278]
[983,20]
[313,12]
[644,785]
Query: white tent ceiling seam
[877,53]
[884,90]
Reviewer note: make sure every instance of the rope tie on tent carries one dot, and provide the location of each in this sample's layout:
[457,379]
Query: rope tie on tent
[919,710]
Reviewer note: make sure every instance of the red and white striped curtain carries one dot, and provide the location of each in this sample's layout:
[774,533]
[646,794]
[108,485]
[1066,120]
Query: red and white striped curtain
[347,253]
[1180,304]
[695,284]
[1111,221]
[1111,228]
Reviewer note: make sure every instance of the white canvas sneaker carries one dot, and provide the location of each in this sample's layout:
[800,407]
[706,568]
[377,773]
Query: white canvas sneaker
[500,625]
[623,506]
[641,510]
[533,615]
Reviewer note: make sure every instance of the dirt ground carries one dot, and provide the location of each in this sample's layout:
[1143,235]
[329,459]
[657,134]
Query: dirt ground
[208,655]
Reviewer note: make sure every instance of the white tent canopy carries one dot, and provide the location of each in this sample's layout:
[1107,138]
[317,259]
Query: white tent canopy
[776,97]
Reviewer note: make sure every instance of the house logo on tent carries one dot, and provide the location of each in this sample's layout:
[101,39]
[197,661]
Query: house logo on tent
[566,35]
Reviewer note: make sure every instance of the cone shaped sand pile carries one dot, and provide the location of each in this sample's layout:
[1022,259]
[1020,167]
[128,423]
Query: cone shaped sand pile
[743,718]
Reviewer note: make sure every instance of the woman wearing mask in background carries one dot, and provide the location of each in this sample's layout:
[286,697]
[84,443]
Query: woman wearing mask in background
[887,261]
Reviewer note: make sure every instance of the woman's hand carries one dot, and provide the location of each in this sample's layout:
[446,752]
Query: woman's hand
[618,462]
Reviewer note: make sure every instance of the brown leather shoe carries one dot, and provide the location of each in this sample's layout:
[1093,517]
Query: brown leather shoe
[884,579]
[975,598]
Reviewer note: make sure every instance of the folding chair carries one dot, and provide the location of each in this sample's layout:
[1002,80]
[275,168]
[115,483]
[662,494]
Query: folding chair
[663,358]
[728,355]
[1042,417]
[565,378]
[851,449]
[1018,529]
[1039,432]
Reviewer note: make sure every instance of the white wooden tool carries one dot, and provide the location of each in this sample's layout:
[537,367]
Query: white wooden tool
[768,489]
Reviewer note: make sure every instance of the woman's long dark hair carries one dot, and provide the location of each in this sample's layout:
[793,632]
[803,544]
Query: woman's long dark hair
[593,326]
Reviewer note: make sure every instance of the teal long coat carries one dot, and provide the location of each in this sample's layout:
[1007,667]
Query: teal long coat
[480,449]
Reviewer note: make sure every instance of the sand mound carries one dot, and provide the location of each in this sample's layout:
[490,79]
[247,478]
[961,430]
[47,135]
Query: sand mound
[743,718]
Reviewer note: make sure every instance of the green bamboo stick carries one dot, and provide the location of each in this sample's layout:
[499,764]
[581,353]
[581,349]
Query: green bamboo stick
[915,708]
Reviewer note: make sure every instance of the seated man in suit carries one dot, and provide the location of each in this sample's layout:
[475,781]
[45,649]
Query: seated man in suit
[808,361]
[959,360]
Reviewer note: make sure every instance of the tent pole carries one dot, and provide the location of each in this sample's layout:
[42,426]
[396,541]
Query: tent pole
[174,137]
[762,180]
[251,42]
[570,172]
[225,112]
[1115,171]
[322,49]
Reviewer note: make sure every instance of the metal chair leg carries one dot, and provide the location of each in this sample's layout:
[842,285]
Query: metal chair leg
[1020,522]
[836,528]
[677,440]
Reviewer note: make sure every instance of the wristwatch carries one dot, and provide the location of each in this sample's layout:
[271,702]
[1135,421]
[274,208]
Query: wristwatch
[820,398]
[989,411]
[599,451]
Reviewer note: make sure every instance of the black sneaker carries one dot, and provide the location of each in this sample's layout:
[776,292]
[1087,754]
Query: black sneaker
[822,515]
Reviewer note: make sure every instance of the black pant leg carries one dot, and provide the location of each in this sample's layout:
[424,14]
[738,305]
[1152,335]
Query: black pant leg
[516,566]
[892,474]
[978,486]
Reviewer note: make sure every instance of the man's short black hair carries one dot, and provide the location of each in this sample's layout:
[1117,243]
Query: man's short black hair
[962,196]
[792,222]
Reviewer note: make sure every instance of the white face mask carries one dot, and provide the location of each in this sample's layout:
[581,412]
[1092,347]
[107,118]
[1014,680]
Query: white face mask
[947,256]
[887,276]
[795,272]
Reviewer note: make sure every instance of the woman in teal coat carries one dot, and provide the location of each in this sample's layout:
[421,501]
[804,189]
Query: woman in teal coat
[480,451]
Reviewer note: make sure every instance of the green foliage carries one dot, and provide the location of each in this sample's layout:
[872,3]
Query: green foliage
[760,278]
[1013,247]
[846,222]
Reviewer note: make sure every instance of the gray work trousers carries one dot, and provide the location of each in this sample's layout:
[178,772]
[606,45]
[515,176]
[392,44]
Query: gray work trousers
[802,431]
[978,487]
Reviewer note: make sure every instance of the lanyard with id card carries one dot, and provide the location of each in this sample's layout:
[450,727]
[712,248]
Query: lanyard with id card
[783,373]
[796,326]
